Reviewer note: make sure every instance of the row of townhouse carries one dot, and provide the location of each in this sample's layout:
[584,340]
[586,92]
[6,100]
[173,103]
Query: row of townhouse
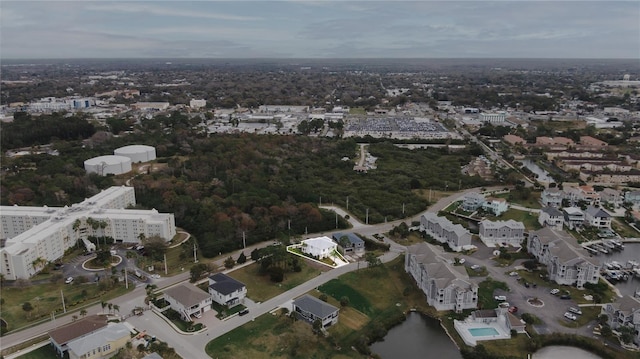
[624,313]
[446,287]
[443,231]
[474,201]
[38,235]
[494,233]
[574,217]
[567,263]
[553,196]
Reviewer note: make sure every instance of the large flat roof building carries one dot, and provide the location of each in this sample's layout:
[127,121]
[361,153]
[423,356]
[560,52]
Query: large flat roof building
[37,235]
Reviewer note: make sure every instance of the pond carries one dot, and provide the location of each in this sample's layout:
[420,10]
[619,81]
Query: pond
[541,175]
[562,352]
[413,338]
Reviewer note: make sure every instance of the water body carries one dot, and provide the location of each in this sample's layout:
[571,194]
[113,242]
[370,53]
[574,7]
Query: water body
[541,175]
[631,252]
[562,352]
[414,338]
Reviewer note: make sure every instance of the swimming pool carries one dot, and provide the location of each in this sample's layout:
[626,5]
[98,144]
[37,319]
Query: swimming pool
[482,332]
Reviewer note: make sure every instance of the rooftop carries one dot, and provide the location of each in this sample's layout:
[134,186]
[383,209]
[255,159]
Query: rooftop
[224,284]
[187,294]
[78,329]
[314,306]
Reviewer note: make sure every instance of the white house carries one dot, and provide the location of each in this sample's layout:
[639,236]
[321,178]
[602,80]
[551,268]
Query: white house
[472,202]
[551,197]
[611,197]
[443,231]
[446,287]
[567,263]
[225,290]
[551,217]
[320,247]
[501,232]
[310,309]
[187,299]
[597,217]
[496,206]
[573,217]
[624,312]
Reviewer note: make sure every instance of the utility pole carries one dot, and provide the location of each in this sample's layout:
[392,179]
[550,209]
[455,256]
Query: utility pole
[165,264]
[195,255]
[429,195]
[244,240]
[336,219]
[347,203]
[367,217]
[403,209]
[64,307]
[320,201]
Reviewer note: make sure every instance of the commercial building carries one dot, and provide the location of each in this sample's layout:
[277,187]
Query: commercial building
[501,233]
[443,231]
[446,287]
[108,165]
[38,235]
[567,263]
[492,117]
[137,153]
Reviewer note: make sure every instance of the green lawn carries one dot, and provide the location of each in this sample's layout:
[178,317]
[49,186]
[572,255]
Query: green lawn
[46,352]
[45,299]
[533,201]
[530,220]
[260,288]
[485,293]
[623,229]
[337,290]
[588,314]
[357,111]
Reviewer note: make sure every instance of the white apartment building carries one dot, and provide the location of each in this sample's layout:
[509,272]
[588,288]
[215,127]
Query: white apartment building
[197,103]
[501,232]
[38,235]
[443,231]
[492,117]
[446,287]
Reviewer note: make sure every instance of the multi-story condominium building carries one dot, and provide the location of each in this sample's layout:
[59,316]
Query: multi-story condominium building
[597,217]
[611,196]
[446,287]
[551,197]
[624,312]
[496,206]
[551,217]
[573,217]
[472,202]
[443,231]
[492,117]
[38,235]
[501,233]
[567,263]
[609,177]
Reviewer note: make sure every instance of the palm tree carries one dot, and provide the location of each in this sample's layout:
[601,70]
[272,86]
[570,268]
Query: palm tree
[83,313]
[110,307]
[116,308]
[103,304]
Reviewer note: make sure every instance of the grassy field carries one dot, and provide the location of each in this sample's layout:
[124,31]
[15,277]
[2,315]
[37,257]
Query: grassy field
[532,202]
[530,220]
[432,196]
[337,290]
[516,346]
[46,352]
[45,299]
[412,238]
[357,111]
[260,288]
[588,314]
[623,229]
[485,293]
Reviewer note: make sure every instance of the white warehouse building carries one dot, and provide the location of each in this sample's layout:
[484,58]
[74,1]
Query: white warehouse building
[38,235]
[105,165]
[137,153]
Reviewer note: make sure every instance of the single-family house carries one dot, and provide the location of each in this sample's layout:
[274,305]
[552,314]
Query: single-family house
[551,217]
[443,231]
[472,201]
[551,197]
[446,287]
[514,140]
[497,206]
[589,195]
[61,336]
[320,247]
[103,343]
[624,312]
[310,309]
[349,242]
[188,300]
[227,291]
[632,197]
[611,197]
[573,217]
[567,263]
[597,217]
[501,232]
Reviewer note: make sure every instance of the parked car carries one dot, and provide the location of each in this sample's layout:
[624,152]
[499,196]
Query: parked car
[555,291]
[570,316]
[461,260]
[513,309]
[513,274]
[500,298]
[504,305]
[526,284]
[243,312]
[565,296]
[575,310]
[69,280]
[475,267]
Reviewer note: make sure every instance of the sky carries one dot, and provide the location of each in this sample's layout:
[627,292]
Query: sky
[319,29]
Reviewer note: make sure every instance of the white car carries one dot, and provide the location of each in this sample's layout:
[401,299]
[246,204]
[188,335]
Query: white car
[513,274]
[570,316]
[69,280]
[475,267]
[500,298]
[461,260]
[575,310]
[555,291]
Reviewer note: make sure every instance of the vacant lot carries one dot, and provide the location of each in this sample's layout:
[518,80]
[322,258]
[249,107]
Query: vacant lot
[260,288]
[337,290]
[530,220]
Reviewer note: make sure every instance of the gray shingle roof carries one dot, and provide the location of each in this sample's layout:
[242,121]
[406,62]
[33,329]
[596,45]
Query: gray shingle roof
[77,329]
[314,306]
[187,295]
[111,333]
[552,211]
[353,239]
[224,284]
[597,212]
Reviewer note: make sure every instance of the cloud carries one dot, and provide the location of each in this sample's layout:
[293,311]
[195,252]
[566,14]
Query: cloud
[154,9]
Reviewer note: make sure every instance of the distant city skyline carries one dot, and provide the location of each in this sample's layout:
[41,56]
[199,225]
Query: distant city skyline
[319,29]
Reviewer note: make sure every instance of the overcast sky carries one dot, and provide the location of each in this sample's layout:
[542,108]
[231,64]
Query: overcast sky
[319,29]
